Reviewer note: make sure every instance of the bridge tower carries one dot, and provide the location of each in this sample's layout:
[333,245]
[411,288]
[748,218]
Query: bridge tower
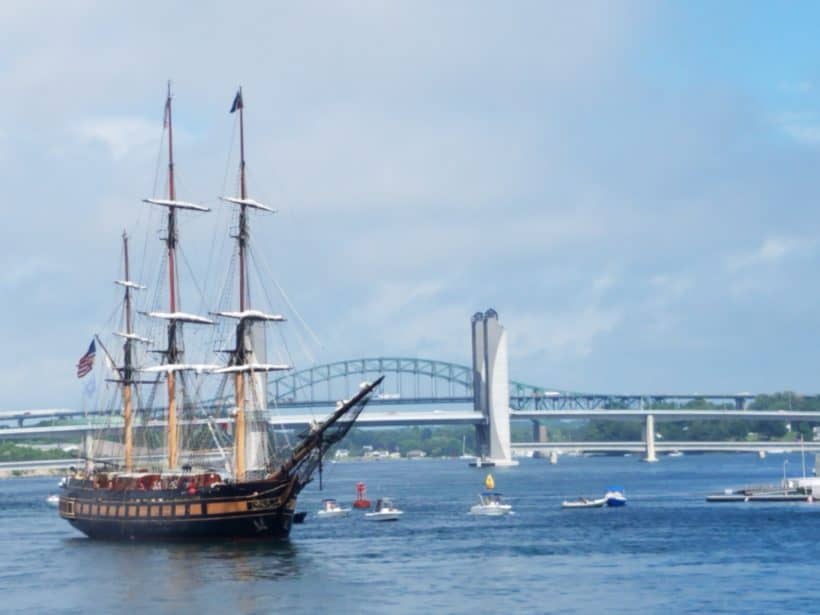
[491,388]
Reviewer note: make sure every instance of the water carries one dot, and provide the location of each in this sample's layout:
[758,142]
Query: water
[667,550]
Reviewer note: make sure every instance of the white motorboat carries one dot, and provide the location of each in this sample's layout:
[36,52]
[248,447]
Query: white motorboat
[331,508]
[615,497]
[385,511]
[53,500]
[490,504]
[584,503]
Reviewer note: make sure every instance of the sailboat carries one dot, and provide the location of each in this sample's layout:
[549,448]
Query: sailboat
[464,454]
[169,488]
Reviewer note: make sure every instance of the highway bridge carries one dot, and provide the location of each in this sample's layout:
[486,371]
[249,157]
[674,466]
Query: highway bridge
[522,448]
[428,392]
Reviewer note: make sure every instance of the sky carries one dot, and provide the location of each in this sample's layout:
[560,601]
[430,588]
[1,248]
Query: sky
[632,186]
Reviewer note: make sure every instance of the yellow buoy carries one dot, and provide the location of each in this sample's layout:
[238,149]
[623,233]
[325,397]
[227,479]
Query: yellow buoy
[489,483]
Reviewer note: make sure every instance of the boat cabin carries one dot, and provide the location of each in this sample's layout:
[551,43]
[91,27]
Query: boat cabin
[490,498]
[384,504]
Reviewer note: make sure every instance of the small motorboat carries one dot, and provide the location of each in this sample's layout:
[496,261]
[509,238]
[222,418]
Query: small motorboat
[584,503]
[491,504]
[361,500]
[615,497]
[330,508]
[53,500]
[385,511]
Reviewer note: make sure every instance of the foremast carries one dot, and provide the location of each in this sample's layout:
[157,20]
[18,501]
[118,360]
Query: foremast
[127,371]
[174,317]
[249,431]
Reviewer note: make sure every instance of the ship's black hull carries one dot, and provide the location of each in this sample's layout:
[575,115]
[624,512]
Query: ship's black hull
[274,525]
[249,511]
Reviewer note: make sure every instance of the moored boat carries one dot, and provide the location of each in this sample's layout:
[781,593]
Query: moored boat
[330,508]
[490,504]
[615,496]
[584,503]
[384,511]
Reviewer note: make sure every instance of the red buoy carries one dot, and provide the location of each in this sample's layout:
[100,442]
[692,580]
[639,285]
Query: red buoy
[361,497]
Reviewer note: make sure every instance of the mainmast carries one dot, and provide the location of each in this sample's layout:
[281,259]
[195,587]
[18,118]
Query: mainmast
[172,357]
[241,348]
[173,352]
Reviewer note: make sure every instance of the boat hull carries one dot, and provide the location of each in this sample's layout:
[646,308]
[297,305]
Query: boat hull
[227,512]
[272,525]
[392,515]
[330,514]
[583,503]
[491,511]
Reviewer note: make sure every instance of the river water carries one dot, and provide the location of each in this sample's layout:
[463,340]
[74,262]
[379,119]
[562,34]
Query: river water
[666,551]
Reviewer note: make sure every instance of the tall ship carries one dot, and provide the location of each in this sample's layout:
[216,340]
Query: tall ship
[168,466]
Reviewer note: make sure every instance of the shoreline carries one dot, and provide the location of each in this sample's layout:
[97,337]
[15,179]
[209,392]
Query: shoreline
[30,472]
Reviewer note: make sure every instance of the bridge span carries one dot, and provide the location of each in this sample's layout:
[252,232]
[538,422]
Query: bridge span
[522,448]
[416,391]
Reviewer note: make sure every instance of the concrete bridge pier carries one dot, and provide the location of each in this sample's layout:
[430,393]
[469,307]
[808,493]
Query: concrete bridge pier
[491,387]
[649,439]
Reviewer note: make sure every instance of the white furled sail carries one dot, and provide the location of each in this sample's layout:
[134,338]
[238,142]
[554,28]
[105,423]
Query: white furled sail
[165,368]
[130,284]
[133,337]
[174,204]
[247,203]
[252,315]
[182,317]
[252,367]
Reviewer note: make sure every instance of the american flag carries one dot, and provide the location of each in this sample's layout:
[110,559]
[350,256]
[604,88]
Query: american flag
[86,362]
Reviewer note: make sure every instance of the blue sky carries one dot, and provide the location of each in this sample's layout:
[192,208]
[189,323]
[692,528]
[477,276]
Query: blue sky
[631,185]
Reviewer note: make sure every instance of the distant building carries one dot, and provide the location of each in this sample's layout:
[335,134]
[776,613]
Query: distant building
[342,453]
[416,454]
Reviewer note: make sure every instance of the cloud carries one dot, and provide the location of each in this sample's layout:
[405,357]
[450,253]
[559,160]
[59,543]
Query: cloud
[427,160]
[802,127]
[772,251]
[120,135]
[27,272]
